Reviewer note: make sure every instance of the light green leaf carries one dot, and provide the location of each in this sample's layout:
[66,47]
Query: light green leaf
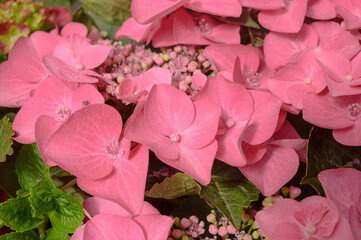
[323,152]
[53,234]
[29,235]
[229,192]
[62,3]
[110,27]
[65,212]
[178,185]
[17,214]
[5,138]
[29,166]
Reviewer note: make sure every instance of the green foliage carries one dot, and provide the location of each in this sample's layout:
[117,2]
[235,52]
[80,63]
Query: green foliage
[323,152]
[17,214]
[65,212]
[53,234]
[63,3]
[29,235]
[110,27]
[178,185]
[29,166]
[5,138]
[229,192]
[109,9]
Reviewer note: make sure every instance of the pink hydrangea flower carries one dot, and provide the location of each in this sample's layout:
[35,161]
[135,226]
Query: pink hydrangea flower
[89,145]
[55,99]
[110,221]
[180,132]
[313,218]
[340,186]
[339,113]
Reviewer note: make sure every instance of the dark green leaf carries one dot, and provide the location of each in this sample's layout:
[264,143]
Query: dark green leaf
[109,9]
[53,234]
[29,166]
[17,214]
[80,15]
[180,184]
[29,235]
[5,138]
[111,27]
[323,152]
[229,192]
[58,172]
[245,19]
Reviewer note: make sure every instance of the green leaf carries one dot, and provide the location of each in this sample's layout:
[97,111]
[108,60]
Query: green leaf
[80,15]
[109,9]
[245,19]
[323,152]
[69,215]
[229,192]
[178,185]
[53,234]
[62,3]
[5,138]
[29,235]
[65,212]
[17,214]
[111,27]
[58,172]
[29,166]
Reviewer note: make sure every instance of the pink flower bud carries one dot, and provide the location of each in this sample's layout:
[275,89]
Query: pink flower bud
[185,223]
[213,229]
[294,192]
[222,231]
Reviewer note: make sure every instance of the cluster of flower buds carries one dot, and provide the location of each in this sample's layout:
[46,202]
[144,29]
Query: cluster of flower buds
[131,59]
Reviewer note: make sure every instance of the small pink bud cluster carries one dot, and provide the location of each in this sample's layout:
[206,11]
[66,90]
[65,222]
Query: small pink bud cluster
[130,60]
[286,192]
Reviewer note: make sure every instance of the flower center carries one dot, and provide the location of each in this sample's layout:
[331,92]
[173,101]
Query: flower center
[253,79]
[311,230]
[355,110]
[79,67]
[63,113]
[203,27]
[348,78]
[175,138]
[113,149]
[307,81]
[230,123]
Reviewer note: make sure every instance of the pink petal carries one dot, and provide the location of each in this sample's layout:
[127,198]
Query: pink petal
[144,12]
[224,33]
[168,110]
[137,130]
[14,91]
[326,111]
[279,213]
[263,4]
[197,163]
[78,145]
[320,9]
[204,128]
[45,127]
[264,119]
[148,209]
[93,56]
[286,231]
[342,88]
[112,227]
[228,8]
[128,176]
[155,227]
[78,234]
[97,205]
[74,28]
[253,153]
[288,19]
[335,65]
[349,136]
[132,29]
[85,95]
[26,62]
[279,47]
[352,21]
[44,42]
[275,169]
[339,186]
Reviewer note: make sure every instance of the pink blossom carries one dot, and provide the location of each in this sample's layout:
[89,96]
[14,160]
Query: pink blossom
[89,145]
[339,113]
[349,10]
[184,27]
[180,132]
[341,186]
[111,221]
[55,99]
[234,119]
[313,218]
